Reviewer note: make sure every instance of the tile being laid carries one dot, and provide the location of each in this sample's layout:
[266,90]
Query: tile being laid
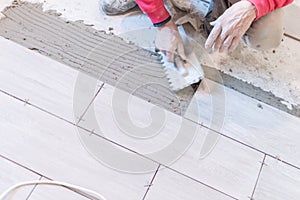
[169,185]
[201,154]
[43,81]
[11,174]
[52,147]
[247,120]
[278,181]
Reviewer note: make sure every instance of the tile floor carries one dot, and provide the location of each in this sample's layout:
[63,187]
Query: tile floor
[227,146]
[253,154]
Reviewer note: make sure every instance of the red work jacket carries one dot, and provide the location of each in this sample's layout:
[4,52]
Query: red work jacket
[157,12]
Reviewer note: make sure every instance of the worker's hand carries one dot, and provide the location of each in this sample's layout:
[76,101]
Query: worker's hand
[169,41]
[231,26]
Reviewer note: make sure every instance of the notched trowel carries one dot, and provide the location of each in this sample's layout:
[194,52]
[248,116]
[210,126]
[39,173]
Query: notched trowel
[182,74]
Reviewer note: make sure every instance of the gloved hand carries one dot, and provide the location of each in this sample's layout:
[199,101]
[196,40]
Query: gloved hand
[169,41]
[231,26]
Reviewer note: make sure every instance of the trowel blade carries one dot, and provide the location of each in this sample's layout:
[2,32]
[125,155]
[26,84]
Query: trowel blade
[183,74]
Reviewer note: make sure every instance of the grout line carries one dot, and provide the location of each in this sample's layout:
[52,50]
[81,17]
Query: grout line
[151,182]
[259,173]
[28,197]
[292,37]
[226,136]
[233,139]
[122,146]
[43,176]
[34,106]
[200,124]
[285,162]
[23,166]
[168,167]
[93,99]
[244,144]
[85,129]
[199,182]
[143,156]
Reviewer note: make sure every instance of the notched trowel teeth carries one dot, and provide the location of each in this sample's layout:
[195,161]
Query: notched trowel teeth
[180,65]
[181,74]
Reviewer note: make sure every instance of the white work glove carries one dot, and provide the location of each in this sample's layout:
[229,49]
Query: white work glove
[231,26]
[169,41]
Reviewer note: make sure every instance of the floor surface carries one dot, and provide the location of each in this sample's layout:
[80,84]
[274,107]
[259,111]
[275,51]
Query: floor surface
[60,124]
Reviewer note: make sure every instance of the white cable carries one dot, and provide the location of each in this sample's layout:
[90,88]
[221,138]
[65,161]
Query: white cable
[5,194]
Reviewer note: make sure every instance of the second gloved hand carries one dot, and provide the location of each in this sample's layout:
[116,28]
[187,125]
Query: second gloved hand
[169,41]
[231,26]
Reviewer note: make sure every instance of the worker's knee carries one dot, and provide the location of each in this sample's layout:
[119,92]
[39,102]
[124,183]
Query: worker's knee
[116,7]
[267,32]
[109,8]
[263,43]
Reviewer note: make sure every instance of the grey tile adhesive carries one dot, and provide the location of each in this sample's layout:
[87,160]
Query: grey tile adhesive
[103,56]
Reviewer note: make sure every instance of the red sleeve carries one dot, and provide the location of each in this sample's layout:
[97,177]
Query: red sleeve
[263,7]
[155,9]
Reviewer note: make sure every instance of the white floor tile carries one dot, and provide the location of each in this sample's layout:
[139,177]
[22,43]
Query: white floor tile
[54,193]
[11,174]
[205,156]
[169,185]
[52,147]
[278,181]
[247,120]
[41,81]
[221,163]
